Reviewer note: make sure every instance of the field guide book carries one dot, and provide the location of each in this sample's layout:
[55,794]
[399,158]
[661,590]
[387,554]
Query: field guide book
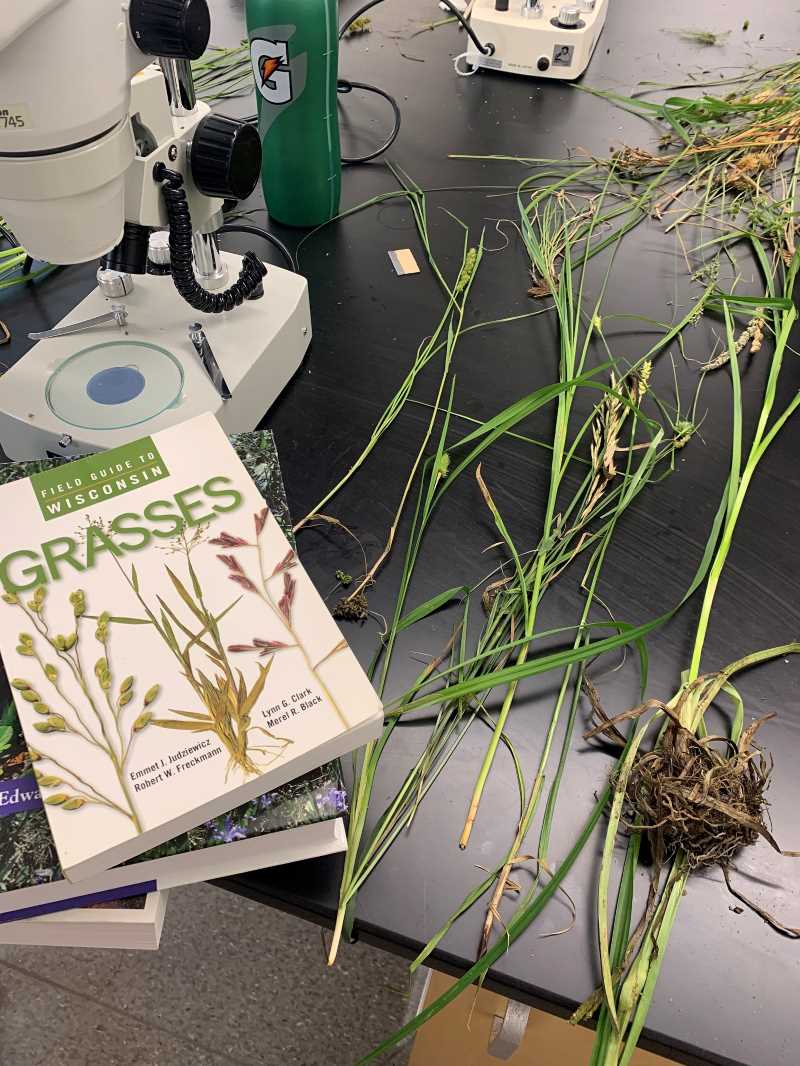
[169,657]
[299,820]
[134,924]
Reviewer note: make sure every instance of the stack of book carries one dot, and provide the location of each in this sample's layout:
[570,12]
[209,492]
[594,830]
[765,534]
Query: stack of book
[176,694]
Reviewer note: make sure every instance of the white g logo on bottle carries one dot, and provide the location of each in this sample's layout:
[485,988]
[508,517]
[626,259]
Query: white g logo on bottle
[270,60]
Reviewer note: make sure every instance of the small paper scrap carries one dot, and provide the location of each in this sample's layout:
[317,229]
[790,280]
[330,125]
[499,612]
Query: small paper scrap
[403,261]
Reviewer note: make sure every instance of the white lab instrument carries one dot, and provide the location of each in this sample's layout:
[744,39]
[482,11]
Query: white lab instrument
[99,154]
[536,37]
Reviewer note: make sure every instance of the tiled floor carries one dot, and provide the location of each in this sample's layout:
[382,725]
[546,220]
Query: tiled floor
[233,983]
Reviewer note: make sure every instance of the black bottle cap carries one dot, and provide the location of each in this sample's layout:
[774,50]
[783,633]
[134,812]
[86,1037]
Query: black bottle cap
[225,157]
[176,29]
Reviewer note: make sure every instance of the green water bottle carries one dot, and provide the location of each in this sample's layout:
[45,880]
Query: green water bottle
[294,50]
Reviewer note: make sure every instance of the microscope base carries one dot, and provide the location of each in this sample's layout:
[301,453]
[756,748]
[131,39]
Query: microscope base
[103,387]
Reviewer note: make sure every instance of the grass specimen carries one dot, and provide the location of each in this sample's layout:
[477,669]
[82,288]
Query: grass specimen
[630,198]
[577,526]
[12,261]
[222,73]
[725,162]
[724,165]
[98,714]
[226,697]
[550,229]
[450,326]
[714,804]
[704,38]
[638,961]
[616,1042]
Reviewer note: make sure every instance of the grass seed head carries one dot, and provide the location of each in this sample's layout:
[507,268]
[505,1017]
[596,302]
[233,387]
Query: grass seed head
[467,270]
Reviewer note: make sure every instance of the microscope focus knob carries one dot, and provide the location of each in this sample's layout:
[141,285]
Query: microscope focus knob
[569,16]
[176,29]
[158,253]
[225,157]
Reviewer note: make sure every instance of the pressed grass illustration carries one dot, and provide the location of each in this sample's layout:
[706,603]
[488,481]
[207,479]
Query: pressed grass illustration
[223,692]
[281,608]
[99,715]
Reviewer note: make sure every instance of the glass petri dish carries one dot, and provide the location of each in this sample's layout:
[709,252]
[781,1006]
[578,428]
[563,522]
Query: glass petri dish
[114,385]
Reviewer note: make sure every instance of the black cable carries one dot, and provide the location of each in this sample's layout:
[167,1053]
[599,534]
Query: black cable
[180,251]
[485,49]
[346,86]
[259,231]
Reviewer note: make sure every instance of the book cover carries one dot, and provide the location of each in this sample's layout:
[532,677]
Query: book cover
[31,880]
[170,658]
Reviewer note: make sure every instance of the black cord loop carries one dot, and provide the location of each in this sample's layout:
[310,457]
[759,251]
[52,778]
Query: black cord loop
[180,251]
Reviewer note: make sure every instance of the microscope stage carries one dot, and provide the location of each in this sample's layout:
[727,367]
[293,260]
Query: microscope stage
[102,387]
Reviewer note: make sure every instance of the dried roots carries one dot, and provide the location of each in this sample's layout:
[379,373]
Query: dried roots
[701,796]
[699,799]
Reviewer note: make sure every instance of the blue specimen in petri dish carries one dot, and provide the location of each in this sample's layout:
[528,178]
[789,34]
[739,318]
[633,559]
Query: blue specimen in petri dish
[115,384]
